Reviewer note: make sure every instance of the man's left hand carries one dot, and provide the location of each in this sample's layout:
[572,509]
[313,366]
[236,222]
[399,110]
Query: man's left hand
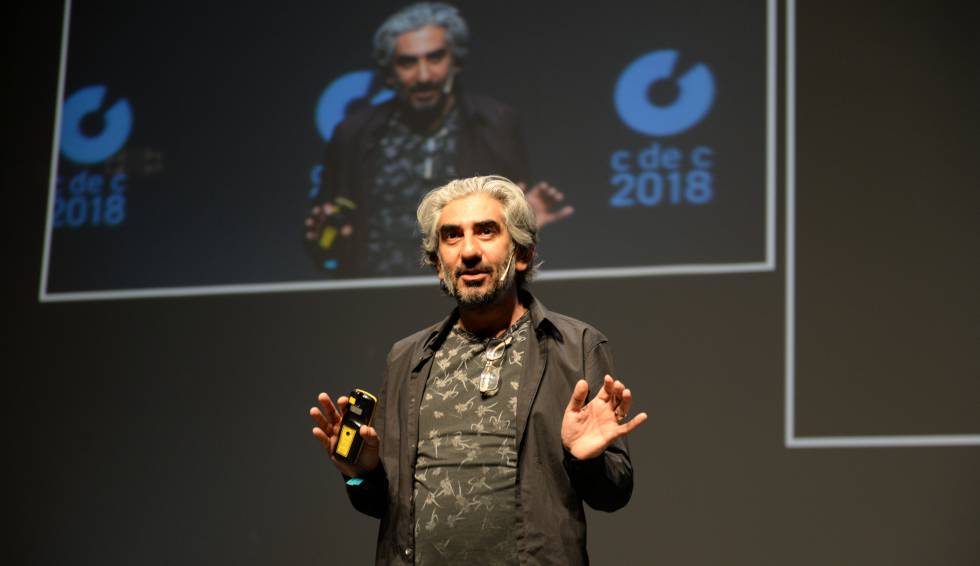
[547,202]
[587,429]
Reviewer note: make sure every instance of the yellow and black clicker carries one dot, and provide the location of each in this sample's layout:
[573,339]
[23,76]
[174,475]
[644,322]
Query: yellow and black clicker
[360,411]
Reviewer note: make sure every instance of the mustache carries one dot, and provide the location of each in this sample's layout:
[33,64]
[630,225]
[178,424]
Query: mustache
[425,87]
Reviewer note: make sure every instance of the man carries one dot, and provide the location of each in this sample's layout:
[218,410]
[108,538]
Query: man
[382,159]
[484,446]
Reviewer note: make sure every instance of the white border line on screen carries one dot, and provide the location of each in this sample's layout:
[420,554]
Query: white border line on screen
[767,264]
[55,143]
[793,441]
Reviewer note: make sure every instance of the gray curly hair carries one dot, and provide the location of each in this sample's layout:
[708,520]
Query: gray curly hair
[518,218]
[415,16]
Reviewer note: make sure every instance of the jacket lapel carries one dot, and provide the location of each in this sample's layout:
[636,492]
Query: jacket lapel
[420,368]
[537,363]
[537,352]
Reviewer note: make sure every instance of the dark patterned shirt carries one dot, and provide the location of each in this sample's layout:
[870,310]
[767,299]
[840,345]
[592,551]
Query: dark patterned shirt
[466,469]
[409,165]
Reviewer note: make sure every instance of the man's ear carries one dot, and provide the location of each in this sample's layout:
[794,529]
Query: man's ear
[438,267]
[523,257]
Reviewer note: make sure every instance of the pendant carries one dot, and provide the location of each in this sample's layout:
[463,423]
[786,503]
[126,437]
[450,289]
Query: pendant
[489,380]
[495,353]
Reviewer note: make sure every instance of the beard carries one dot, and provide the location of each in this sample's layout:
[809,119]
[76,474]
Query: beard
[502,278]
[424,112]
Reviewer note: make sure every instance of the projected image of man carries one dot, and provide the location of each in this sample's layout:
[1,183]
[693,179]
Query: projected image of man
[384,158]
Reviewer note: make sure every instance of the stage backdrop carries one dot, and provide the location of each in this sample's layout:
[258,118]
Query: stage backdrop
[819,411]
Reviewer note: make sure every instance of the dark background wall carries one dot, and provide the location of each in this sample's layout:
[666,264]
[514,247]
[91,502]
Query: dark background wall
[167,431]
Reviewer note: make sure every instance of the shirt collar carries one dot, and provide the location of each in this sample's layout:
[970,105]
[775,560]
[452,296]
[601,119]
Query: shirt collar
[541,317]
[541,320]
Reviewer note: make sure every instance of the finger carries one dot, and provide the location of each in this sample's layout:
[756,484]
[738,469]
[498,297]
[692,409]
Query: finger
[631,425]
[579,394]
[331,413]
[617,395]
[605,394]
[549,195]
[564,212]
[624,407]
[546,217]
[319,420]
[370,435]
[323,438]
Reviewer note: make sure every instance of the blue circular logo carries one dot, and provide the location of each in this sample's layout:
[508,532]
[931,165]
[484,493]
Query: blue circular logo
[331,108]
[696,92]
[118,122]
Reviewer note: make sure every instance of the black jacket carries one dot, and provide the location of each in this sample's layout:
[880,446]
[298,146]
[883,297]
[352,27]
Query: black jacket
[551,484]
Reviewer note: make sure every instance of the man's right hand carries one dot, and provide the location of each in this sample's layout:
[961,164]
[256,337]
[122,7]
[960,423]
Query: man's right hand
[315,220]
[327,431]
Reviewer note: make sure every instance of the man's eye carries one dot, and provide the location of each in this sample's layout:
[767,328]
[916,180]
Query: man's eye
[405,62]
[437,56]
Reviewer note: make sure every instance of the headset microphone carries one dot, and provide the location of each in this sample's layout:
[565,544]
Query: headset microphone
[447,87]
[503,276]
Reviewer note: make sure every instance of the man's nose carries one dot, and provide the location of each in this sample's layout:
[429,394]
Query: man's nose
[471,249]
[424,73]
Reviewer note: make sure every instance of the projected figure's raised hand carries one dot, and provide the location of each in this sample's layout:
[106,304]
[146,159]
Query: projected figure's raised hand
[588,428]
[547,202]
[327,431]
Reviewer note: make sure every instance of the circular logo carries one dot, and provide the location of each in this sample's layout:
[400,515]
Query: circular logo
[696,92]
[117,123]
[331,108]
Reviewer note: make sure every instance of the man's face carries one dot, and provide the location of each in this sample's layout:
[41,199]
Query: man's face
[421,66]
[475,251]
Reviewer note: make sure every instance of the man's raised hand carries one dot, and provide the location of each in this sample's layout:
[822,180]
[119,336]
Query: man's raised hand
[588,428]
[547,202]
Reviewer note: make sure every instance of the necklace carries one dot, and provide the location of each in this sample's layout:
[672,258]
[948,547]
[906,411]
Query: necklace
[490,376]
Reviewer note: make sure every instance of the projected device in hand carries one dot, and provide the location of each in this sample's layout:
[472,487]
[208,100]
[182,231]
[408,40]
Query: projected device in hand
[328,234]
[360,411]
